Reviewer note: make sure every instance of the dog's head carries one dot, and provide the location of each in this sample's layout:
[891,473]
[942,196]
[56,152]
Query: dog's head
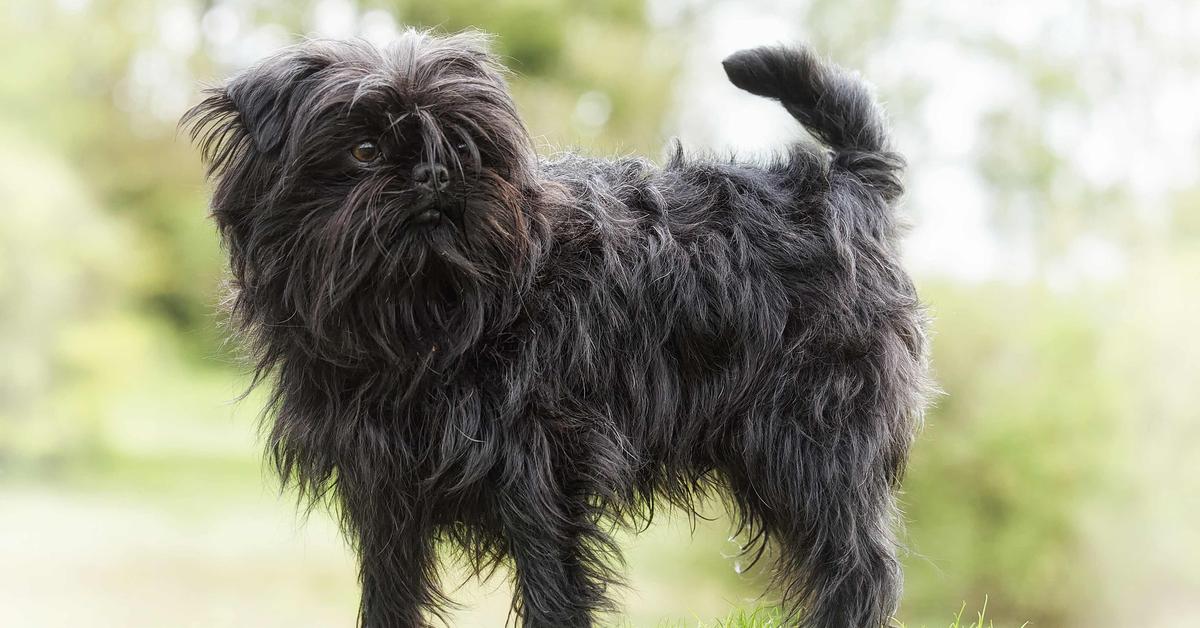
[370,197]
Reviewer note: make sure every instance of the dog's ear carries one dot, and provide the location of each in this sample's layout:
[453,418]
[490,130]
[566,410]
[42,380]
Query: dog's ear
[258,103]
[265,95]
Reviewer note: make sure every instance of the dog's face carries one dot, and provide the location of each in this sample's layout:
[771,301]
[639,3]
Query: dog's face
[368,195]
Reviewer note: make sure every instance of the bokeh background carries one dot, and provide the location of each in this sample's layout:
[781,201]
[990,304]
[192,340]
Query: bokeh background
[1055,203]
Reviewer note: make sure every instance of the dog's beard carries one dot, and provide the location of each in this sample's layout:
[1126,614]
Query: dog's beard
[363,282]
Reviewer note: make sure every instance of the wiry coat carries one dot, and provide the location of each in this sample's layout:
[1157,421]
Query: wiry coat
[575,339]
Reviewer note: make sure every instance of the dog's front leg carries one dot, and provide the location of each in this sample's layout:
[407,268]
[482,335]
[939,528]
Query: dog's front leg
[399,577]
[559,553]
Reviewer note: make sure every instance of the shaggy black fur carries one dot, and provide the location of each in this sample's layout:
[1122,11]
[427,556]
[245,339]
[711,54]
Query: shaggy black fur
[514,355]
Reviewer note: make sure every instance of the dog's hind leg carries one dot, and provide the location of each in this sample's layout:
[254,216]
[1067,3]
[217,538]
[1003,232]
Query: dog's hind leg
[829,523]
[816,471]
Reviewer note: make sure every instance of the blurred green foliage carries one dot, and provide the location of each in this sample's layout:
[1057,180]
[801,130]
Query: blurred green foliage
[1056,474]
[1015,452]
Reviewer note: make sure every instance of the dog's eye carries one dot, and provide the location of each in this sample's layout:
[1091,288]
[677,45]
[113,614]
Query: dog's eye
[365,152]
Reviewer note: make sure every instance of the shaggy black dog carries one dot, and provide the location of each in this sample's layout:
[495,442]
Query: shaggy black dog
[469,344]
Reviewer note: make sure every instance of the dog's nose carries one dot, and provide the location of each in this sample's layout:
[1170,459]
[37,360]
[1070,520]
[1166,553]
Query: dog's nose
[433,177]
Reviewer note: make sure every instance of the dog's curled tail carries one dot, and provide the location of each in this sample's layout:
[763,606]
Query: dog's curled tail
[834,105]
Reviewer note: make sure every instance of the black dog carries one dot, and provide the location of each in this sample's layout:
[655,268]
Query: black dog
[469,344]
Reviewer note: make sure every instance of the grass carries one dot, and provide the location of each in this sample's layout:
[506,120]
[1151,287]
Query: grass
[757,618]
[773,618]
